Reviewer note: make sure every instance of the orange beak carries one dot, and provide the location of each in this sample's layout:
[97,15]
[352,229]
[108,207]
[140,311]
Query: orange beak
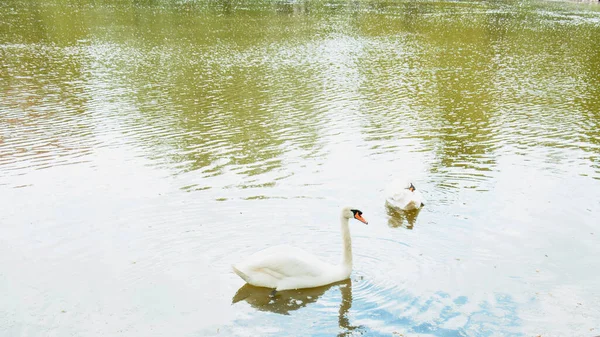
[360,218]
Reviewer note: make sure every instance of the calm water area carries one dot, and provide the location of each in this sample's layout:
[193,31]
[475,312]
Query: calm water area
[145,146]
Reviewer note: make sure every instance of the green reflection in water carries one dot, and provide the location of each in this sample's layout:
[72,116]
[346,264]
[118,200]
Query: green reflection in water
[269,88]
[230,83]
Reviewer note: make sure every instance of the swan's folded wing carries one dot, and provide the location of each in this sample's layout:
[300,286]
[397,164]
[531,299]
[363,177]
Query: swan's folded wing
[400,199]
[283,261]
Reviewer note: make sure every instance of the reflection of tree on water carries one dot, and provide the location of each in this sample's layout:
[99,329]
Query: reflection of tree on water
[587,102]
[44,121]
[463,101]
[439,88]
[400,218]
[287,301]
[238,113]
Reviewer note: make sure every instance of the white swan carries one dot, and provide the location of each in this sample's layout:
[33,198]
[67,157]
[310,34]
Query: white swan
[404,195]
[284,267]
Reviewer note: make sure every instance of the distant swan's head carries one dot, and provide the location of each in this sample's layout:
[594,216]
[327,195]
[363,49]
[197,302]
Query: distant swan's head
[401,184]
[353,213]
[409,186]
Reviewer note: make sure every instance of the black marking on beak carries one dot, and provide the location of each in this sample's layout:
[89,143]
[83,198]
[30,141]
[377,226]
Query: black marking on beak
[358,216]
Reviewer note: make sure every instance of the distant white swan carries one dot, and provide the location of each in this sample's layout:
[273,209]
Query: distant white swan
[404,195]
[284,267]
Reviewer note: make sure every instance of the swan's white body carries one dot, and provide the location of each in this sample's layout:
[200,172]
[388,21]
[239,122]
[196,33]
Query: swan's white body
[400,196]
[284,267]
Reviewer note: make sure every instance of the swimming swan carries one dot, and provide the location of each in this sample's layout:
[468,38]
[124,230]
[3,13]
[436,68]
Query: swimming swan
[284,267]
[404,195]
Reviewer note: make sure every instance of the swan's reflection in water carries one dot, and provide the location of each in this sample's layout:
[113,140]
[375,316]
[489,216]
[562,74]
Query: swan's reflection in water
[286,301]
[401,218]
[344,323]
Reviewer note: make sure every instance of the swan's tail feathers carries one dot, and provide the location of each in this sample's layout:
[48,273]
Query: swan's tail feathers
[241,274]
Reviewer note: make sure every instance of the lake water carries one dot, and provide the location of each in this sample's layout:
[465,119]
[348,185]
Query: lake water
[145,146]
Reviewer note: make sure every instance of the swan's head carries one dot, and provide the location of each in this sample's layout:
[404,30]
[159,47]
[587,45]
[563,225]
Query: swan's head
[353,213]
[400,184]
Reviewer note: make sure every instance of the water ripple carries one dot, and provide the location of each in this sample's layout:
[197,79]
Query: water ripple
[157,143]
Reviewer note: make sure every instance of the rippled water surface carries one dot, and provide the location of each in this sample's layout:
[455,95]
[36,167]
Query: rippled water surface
[145,146]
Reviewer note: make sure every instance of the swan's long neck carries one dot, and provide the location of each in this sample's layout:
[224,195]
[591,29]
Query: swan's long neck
[347,243]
